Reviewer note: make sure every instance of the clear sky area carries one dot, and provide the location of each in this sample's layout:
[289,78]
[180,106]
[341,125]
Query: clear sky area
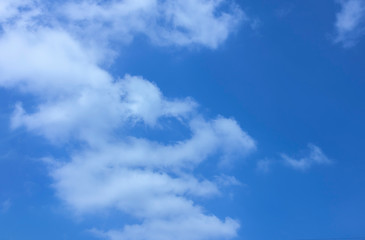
[182,119]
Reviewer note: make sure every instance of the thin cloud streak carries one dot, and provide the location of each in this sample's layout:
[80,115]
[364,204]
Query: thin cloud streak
[314,156]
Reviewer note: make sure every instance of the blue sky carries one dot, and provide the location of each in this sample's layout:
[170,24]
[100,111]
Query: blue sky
[192,120]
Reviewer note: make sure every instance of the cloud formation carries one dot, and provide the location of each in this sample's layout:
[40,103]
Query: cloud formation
[180,22]
[51,53]
[314,156]
[195,228]
[152,181]
[350,22]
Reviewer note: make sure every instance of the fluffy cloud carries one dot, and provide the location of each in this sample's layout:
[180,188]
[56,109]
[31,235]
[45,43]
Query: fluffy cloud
[314,156]
[47,62]
[53,55]
[10,9]
[181,22]
[153,181]
[350,22]
[93,111]
[197,227]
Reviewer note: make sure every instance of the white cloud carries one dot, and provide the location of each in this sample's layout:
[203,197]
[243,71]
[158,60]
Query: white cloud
[196,227]
[19,9]
[153,181]
[89,187]
[350,22]
[180,22]
[91,111]
[44,47]
[104,173]
[314,156]
[206,141]
[48,62]
[9,9]
[224,180]
[79,100]
[61,63]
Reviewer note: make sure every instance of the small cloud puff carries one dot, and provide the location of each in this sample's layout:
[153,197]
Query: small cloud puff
[314,156]
[350,22]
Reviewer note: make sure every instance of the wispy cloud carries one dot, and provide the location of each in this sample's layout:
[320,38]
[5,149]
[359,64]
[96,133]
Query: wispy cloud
[224,180]
[5,206]
[350,22]
[180,22]
[19,10]
[284,11]
[264,165]
[313,156]
[52,53]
